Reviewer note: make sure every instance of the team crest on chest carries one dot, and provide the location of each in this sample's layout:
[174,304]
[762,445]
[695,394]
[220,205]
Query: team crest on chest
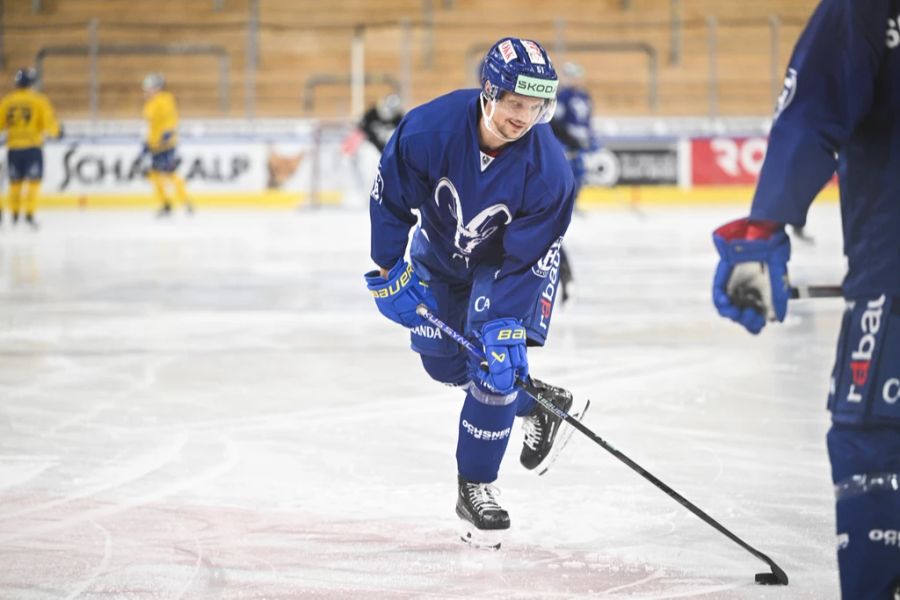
[479,228]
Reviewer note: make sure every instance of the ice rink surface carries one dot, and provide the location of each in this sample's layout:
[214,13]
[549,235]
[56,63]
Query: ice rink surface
[211,407]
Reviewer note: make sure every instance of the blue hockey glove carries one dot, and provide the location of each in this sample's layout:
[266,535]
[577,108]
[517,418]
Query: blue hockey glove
[751,282]
[398,296]
[505,354]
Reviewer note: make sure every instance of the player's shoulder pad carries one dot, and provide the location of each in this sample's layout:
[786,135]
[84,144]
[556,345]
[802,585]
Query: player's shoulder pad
[549,167]
[548,152]
[444,113]
[434,122]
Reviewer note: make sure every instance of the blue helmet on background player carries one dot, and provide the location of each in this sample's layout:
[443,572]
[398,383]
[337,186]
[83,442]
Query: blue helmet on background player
[521,67]
[25,78]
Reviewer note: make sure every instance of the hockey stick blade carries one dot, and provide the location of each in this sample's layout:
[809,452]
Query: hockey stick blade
[779,576]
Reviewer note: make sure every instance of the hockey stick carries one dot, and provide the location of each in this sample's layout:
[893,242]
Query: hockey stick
[776,577]
[801,292]
[747,297]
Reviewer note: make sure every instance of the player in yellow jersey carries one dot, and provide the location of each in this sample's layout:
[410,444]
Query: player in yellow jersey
[26,115]
[161,115]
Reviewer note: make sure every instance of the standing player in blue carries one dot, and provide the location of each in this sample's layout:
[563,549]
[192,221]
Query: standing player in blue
[840,110]
[494,195]
[572,126]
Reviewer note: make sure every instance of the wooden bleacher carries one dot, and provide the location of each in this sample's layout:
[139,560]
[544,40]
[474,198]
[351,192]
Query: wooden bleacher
[301,39]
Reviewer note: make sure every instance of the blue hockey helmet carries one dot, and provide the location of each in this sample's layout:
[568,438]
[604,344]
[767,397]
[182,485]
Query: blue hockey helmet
[523,67]
[25,77]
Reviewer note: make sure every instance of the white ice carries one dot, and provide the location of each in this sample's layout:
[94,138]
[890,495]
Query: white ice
[211,407]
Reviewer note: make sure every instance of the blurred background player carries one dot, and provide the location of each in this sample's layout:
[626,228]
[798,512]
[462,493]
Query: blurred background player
[841,113]
[161,116]
[380,121]
[27,116]
[572,126]
[495,196]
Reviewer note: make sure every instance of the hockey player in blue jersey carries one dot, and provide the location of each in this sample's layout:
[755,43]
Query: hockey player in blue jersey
[839,111]
[572,121]
[571,124]
[494,196]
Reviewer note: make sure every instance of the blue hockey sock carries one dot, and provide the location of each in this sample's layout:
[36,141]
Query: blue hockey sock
[484,427]
[868,525]
[866,472]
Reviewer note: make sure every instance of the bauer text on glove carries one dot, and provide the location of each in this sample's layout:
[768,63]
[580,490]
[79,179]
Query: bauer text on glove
[398,295]
[505,354]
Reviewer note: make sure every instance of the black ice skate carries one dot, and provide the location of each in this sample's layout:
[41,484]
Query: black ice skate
[164,211]
[483,520]
[29,220]
[545,434]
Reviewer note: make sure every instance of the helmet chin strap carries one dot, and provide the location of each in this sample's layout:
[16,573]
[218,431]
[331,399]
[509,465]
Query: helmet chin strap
[489,121]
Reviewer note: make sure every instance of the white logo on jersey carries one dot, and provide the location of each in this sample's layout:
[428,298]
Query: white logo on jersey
[481,227]
[377,187]
[893,34]
[861,358]
[787,93]
[548,261]
[507,51]
[534,52]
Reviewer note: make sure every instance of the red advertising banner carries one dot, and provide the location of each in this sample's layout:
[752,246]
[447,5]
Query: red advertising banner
[727,160]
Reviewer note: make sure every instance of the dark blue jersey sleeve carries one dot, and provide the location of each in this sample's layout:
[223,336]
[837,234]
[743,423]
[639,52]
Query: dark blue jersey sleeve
[400,186]
[828,90]
[527,239]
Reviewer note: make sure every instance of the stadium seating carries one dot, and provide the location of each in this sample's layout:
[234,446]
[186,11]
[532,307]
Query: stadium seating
[304,51]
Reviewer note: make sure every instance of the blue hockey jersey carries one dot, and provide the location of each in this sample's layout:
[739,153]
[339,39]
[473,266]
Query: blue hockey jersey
[475,209]
[572,119]
[840,110]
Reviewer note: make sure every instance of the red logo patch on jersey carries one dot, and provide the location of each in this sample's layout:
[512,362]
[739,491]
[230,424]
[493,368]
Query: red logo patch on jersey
[860,370]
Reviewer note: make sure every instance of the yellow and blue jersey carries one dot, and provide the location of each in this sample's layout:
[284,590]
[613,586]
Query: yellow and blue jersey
[26,116]
[161,115]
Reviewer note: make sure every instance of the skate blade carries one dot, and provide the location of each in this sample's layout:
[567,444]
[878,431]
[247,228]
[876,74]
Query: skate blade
[482,539]
[562,438]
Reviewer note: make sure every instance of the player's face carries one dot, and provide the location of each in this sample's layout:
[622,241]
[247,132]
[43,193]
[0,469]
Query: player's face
[515,114]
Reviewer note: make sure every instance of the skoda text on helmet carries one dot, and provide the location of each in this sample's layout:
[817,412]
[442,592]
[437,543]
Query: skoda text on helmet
[522,67]
[25,78]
